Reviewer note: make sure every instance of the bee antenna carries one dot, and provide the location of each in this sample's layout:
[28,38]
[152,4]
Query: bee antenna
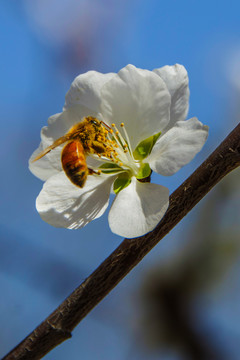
[102,122]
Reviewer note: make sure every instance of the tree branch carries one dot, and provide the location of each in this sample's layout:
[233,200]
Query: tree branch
[58,326]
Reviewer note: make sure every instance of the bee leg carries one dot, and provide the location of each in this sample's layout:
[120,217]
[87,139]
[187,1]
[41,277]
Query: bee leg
[98,147]
[91,171]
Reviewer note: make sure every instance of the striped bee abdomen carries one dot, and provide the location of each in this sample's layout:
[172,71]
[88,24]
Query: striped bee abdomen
[74,163]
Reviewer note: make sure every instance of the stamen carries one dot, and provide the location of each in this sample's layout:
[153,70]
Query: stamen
[98,171]
[119,139]
[125,155]
[112,170]
[103,158]
[127,139]
[116,138]
[117,149]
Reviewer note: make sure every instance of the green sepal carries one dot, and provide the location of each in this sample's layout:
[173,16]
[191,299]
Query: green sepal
[144,171]
[111,168]
[121,182]
[144,148]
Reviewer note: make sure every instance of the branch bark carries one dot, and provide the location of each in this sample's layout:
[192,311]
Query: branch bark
[59,325]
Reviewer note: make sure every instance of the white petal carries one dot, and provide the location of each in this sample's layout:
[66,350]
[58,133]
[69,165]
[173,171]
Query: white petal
[57,127]
[178,146]
[140,99]
[62,204]
[50,164]
[85,90]
[42,168]
[138,208]
[176,79]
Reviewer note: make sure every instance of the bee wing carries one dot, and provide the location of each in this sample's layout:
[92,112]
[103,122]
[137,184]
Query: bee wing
[56,143]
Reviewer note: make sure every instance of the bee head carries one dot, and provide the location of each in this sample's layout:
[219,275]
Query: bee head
[94,122]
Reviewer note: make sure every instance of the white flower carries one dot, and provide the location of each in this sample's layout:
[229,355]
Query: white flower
[148,109]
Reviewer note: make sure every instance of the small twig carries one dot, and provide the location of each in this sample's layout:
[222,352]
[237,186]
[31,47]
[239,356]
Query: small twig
[58,326]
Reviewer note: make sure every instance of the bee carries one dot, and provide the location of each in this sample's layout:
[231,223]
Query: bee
[86,137]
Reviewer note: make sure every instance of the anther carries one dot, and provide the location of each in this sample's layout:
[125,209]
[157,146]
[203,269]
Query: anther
[113,125]
[117,132]
[122,124]
[99,172]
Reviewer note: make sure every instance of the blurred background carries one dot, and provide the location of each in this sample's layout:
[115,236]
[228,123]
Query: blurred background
[182,301]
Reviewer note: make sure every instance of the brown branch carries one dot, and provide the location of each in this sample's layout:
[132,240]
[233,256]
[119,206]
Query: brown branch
[58,326]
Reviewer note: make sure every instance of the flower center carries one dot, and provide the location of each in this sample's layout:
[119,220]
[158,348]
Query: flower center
[118,156]
[124,153]
[118,153]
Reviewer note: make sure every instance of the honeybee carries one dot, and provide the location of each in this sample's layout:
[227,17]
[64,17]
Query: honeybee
[86,137]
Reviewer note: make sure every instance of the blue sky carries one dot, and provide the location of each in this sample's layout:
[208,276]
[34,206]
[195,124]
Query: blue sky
[43,46]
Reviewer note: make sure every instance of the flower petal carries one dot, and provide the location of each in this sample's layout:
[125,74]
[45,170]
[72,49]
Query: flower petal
[42,168]
[140,99]
[176,79]
[62,204]
[138,208]
[85,90]
[178,146]
[50,164]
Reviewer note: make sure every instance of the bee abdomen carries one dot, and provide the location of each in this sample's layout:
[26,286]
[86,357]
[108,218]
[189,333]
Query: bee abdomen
[74,163]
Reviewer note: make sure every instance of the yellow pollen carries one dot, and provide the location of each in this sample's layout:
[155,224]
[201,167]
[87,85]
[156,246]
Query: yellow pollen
[121,164]
[99,172]
[111,131]
[122,124]
[113,125]
[117,132]
[125,146]
[125,150]
[99,155]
